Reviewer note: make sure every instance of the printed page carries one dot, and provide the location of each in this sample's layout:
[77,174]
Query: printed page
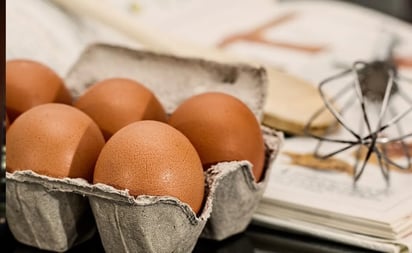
[335,191]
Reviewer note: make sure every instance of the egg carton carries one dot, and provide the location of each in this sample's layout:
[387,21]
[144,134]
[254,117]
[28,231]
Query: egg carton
[56,214]
[48,213]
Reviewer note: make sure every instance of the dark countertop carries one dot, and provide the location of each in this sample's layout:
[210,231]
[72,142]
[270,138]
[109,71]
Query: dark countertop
[254,240]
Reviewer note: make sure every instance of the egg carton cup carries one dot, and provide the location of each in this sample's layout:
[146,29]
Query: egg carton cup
[56,214]
[44,213]
[48,212]
[236,195]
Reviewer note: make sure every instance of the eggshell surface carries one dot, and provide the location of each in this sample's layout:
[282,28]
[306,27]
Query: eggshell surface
[221,128]
[55,140]
[116,102]
[152,158]
[30,83]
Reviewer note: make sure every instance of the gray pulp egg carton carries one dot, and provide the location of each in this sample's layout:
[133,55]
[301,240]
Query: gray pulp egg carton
[56,214]
[43,212]
[49,213]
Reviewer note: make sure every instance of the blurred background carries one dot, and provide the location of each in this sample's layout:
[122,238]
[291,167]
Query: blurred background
[398,8]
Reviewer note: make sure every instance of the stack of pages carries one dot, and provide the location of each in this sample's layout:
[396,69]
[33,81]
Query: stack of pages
[326,203]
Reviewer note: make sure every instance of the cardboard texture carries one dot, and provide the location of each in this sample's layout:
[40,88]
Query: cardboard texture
[45,217]
[171,78]
[147,224]
[47,213]
[125,223]
[237,195]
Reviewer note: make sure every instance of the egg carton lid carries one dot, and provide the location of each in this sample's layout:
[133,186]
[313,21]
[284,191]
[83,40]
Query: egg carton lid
[171,78]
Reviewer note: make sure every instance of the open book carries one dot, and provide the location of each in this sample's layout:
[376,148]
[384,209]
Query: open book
[326,203]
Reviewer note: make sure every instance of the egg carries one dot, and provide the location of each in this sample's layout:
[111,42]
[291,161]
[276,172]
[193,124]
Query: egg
[55,140]
[152,158]
[116,102]
[30,83]
[221,128]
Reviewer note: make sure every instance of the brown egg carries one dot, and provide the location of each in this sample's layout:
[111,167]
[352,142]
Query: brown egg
[30,83]
[116,102]
[222,128]
[152,158]
[55,140]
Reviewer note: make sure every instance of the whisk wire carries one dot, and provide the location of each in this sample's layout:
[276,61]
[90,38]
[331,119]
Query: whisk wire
[374,83]
[331,108]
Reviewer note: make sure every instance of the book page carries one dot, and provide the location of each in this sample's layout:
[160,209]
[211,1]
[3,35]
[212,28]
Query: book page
[335,191]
